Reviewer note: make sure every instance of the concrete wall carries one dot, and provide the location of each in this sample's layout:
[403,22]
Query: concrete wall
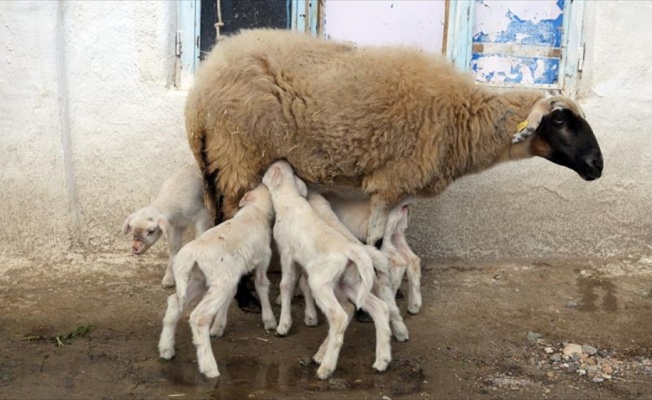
[91,124]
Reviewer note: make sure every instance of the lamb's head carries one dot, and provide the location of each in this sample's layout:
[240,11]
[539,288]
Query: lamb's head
[280,175]
[145,227]
[259,198]
[560,134]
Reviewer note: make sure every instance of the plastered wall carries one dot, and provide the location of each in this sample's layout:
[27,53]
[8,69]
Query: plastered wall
[90,125]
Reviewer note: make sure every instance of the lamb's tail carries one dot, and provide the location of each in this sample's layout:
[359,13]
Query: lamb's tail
[182,265]
[381,263]
[365,266]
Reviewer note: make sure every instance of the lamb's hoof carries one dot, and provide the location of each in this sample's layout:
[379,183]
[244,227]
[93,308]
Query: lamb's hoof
[166,354]
[317,359]
[324,372]
[269,325]
[381,365]
[309,321]
[282,331]
[217,332]
[363,316]
[414,307]
[211,373]
[400,331]
[399,294]
[167,282]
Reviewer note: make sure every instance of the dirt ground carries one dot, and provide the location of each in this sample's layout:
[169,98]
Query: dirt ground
[469,341]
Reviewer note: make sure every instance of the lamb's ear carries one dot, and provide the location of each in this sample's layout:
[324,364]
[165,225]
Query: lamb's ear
[126,226]
[527,128]
[165,226]
[247,199]
[301,186]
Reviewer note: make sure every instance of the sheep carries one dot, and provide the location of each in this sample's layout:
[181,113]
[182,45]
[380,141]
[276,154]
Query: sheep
[392,121]
[328,258]
[178,204]
[354,214]
[213,264]
[382,287]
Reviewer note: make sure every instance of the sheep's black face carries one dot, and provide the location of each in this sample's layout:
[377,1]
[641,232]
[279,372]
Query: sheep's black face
[571,143]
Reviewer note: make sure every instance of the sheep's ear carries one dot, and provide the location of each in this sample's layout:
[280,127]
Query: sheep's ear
[301,186]
[164,225]
[276,175]
[126,226]
[527,128]
[248,198]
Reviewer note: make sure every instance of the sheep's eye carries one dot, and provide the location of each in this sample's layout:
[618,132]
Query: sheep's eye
[151,232]
[558,119]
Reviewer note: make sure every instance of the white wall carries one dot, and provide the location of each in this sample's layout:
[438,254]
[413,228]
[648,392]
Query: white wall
[90,125]
[375,22]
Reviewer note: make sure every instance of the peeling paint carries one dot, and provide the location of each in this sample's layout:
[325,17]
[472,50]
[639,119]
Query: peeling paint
[537,25]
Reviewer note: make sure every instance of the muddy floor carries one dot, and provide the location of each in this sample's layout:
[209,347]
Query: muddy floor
[88,327]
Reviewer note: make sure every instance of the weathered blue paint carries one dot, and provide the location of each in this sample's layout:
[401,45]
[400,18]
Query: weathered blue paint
[542,70]
[459,33]
[545,32]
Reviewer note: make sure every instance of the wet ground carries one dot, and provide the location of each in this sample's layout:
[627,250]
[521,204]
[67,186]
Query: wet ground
[468,342]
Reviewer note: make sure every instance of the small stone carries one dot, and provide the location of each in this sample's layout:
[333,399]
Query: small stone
[551,374]
[549,350]
[572,348]
[597,379]
[387,398]
[571,304]
[533,336]
[546,391]
[602,353]
[581,372]
[576,356]
[606,376]
[498,277]
[590,350]
[564,365]
[555,357]
[591,361]
[607,369]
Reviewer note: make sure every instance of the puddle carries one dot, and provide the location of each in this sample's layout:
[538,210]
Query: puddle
[597,294]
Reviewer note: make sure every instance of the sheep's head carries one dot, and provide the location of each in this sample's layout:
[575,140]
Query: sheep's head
[260,198]
[145,227]
[560,134]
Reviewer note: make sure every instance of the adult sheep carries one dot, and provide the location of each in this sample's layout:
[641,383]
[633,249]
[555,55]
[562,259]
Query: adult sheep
[392,121]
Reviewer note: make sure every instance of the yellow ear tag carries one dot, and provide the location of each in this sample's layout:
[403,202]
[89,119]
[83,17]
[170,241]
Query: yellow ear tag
[521,126]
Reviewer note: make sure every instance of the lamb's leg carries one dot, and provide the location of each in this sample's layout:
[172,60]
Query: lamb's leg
[337,321]
[350,311]
[200,319]
[175,240]
[288,283]
[414,284]
[383,291]
[377,220]
[310,313]
[173,314]
[219,324]
[380,313]
[262,288]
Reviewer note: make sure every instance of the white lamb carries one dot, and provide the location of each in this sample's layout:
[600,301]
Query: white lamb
[178,204]
[213,264]
[381,286]
[329,259]
[354,214]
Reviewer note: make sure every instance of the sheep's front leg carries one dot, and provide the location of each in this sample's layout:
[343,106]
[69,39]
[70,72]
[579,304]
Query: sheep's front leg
[175,239]
[288,283]
[377,221]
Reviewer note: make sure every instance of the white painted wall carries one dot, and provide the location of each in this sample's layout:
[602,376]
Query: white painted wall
[90,125]
[376,22]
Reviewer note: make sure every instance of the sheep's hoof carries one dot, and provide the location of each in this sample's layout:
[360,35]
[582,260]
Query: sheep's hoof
[381,365]
[270,325]
[211,373]
[324,372]
[167,283]
[309,321]
[400,331]
[166,354]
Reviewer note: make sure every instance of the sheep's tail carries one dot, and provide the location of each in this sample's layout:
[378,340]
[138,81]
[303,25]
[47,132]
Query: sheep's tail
[363,261]
[182,265]
[197,141]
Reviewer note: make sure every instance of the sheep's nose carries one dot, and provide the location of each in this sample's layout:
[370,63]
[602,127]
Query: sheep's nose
[594,161]
[135,249]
